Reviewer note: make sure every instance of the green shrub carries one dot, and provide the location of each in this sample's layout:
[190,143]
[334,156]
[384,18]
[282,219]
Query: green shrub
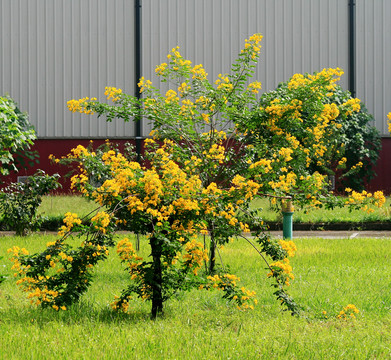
[16,137]
[362,144]
[19,202]
[351,154]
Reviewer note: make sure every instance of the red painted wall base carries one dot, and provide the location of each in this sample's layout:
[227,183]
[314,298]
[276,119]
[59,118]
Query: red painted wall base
[382,181]
[58,148]
[62,147]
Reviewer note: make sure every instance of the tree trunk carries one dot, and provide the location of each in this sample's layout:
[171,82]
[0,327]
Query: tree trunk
[212,253]
[156,283]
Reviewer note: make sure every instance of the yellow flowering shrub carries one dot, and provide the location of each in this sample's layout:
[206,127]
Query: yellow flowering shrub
[171,205]
[215,146]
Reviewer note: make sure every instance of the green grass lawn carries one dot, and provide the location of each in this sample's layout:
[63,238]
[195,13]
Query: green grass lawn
[323,215]
[200,325]
[59,205]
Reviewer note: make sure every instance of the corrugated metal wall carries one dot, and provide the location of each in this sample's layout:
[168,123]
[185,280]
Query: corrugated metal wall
[299,36]
[55,50]
[373,56]
[52,51]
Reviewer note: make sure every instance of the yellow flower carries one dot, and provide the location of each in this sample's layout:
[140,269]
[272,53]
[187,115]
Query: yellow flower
[144,84]
[113,93]
[342,161]
[101,221]
[254,87]
[160,70]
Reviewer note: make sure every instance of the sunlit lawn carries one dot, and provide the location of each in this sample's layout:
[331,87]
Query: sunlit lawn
[200,325]
[59,205]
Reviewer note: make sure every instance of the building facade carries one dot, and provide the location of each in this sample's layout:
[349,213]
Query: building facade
[52,51]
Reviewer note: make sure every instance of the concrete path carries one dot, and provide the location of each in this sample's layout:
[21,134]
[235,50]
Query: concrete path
[337,234]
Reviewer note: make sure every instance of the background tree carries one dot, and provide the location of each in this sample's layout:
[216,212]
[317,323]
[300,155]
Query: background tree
[17,135]
[300,120]
[362,144]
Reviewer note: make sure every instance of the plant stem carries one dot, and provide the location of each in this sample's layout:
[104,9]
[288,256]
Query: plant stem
[212,252]
[156,281]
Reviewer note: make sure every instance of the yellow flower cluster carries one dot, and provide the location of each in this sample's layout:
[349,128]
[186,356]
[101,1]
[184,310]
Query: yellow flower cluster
[348,312]
[128,255]
[223,83]
[78,152]
[17,252]
[356,198]
[113,93]
[184,88]
[214,135]
[194,255]
[352,105]
[161,69]
[101,221]
[263,164]
[300,80]
[245,299]
[330,112]
[380,198]
[199,72]
[282,270]
[254,87]
[389,122]
[148,191]
[121,305]
[34,287]
[144,84]
[171,97]
[70,220]
[187,108]
[249,187]
[252,46]
[285,153]
[134,263]
[289,247]
[80,105]
[342,161]
[177,60]
[358,165]
[285,182]
[215,153]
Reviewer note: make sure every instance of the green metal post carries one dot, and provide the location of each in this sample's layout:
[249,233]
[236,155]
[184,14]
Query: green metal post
[287,223]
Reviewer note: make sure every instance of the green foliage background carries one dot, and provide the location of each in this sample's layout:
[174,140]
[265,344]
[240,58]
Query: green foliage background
[17,135]
[362,144]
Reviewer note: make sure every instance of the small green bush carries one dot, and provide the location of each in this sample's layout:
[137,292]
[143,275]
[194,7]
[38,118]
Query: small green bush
[16,137]
[362,143]
[361,140]
[19,202]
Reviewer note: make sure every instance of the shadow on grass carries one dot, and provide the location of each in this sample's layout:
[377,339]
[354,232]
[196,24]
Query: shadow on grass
[81,313]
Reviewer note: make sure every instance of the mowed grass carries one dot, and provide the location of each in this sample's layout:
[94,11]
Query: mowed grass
[323,215]
[330,274]
[60,204]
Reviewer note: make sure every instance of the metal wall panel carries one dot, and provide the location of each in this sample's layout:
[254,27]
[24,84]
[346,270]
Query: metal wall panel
[299,36]
[55,50]
[373,54]
[52,51]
